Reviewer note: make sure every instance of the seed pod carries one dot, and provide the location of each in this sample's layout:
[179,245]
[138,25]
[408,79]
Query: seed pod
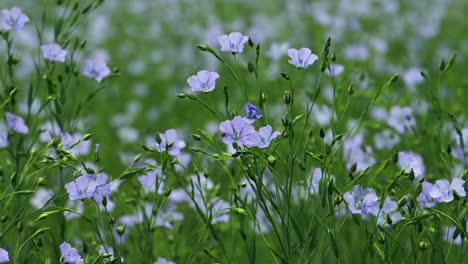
[120,230]
[271,161]
[423,245]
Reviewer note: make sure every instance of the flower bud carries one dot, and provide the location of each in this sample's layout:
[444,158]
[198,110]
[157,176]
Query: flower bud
[85,247]
[411,174]
[167,192]
[87,137]
[287,97]
[13,60]
[251,43]
[20,225]
[111,219]
[250,67]
[196,137]
[157,137]
[338,199]
[324,66]
[351,89]
[442,65]
[263,98]
[322,133]
[395,157]
[301,166]
[394,78]
[285,121]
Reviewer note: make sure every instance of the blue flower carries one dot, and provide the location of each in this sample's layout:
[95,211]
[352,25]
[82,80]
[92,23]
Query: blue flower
[236,131]
[425,198]
[163,261]
[54,52]
[148,181]
[16,123]
[262,138]
[96,69]
[170,143]
[13,19]
[70,255]
[83,187]
[3,136]
[4,256]
[442,191]
[361,201]
[204,81]
[302,58]
[103,189]
[233,42]
[388,211]
[250,112]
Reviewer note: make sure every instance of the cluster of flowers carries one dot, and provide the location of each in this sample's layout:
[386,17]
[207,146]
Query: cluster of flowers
[87,186]
[71,255]
[239,130]
[14,19]
[442,191]
[364,201]
[205,81]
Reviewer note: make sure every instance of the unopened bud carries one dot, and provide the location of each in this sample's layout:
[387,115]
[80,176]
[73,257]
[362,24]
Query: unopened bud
[85,247]
[395,157]
[287,97]
[250,67]
[251,43]
[196,137]
[322,133]
[394,78]
[442,65]
[351,89]
[411,174]
[20,225]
